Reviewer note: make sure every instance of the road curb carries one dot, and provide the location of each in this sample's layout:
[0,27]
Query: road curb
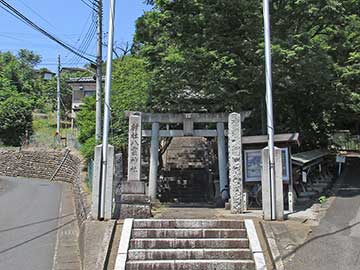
[95,243]
[274,250]
[255,246]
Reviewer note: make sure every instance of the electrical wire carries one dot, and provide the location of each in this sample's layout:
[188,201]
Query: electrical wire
[36,13]
[89,37]
[81,33]
[14,12]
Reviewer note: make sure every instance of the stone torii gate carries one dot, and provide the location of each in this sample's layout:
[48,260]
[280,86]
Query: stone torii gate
[136,132]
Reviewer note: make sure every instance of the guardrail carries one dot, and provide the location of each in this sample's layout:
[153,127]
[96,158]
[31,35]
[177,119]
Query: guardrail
[347,142]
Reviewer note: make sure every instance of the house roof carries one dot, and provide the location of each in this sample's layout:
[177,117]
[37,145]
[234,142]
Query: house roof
[292,138]
[88,79]
[308,157]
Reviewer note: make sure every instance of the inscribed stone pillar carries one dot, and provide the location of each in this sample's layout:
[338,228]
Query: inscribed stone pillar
[134,148]
[224,184]
[154,160]
[235,163]
[266,187]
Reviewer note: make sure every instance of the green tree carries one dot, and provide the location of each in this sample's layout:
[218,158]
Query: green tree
[129,92]
[15,119]
[19,92]
[208,56]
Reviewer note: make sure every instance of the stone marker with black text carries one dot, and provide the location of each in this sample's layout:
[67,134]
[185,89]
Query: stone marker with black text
[134,201]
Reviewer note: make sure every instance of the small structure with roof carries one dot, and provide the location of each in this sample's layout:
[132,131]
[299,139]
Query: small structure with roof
[81,87]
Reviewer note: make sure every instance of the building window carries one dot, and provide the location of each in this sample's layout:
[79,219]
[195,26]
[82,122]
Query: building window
[89,93]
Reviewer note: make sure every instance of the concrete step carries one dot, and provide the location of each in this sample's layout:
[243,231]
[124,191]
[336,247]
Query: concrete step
[209,243]
[188,223]
[191,265]
[188,233]
[189,254]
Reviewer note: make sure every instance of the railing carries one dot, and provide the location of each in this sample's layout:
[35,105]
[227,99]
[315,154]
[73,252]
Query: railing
[90,172]
[346,142]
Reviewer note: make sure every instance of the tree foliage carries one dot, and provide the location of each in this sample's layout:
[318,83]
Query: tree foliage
[208,56]
[15,119]
[20,93]
[129,92]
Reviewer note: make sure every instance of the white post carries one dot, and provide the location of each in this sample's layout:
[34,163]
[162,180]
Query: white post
[154,160]
[107,107]
[266,188]
[269,105]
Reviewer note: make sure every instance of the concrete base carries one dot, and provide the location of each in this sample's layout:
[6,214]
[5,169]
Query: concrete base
[94,243]
[135,211]
[134,202]
[133,187]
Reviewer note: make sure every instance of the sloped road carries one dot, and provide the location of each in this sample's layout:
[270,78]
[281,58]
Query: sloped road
[29,218]
[335,243]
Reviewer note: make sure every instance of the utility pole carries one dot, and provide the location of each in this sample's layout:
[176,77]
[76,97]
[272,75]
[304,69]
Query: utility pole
[58,99]
[107,107]
[269,105]
[99,71]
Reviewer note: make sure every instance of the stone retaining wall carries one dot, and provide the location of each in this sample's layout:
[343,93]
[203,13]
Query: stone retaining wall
[51,165]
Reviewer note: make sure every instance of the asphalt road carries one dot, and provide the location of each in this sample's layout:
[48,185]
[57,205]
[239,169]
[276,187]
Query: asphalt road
[29,215]
[335,243]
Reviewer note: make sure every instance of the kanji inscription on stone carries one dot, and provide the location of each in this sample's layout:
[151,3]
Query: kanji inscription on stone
[134,148]
[235,163]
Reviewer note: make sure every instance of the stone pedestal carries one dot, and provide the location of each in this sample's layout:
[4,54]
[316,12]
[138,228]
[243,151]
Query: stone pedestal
[134,202]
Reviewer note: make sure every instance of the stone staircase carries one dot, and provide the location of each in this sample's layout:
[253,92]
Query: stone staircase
[188,245]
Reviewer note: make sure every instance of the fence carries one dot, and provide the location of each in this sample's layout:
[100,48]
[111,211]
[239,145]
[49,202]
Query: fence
[90,172]
[346,141]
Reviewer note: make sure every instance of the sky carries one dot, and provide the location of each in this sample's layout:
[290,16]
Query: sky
[68,20]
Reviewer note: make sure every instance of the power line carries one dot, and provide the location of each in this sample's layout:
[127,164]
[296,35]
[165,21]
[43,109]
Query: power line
[88,5]
[81,33]
[91,4]
[14,12]
[86,42]
[35,12]
[89,36]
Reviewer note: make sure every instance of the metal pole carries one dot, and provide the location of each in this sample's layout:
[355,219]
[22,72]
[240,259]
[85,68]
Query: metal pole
[269,104]
[99,72]
[58,99]
[107,107]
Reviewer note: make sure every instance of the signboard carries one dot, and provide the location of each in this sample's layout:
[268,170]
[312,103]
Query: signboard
[252,164]
[340,159]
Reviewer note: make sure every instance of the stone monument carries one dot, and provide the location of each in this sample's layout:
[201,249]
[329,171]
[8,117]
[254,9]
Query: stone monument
[235,163]
[134,201]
